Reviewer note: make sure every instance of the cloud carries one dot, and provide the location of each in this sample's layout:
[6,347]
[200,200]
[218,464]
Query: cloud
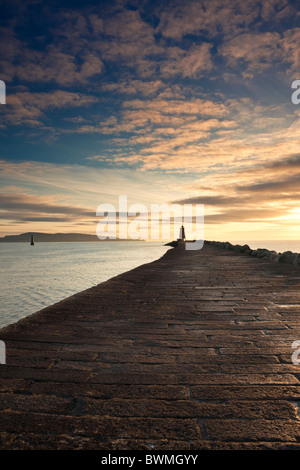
[29,207]
[191,63]
[158,89]
[289,44]
[54,63]
[197,135]
[79,45]
[28,108]
[209,17]
[290,184]
[258,51]
[146,119]
[134,87]
[128,40]
[58,67]
[255,215]
[275,10]
[283,166]
[215,200]
[266,191]
[196,107]
[82,186]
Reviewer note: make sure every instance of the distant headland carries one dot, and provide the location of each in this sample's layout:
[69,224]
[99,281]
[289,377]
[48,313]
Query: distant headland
[54,237]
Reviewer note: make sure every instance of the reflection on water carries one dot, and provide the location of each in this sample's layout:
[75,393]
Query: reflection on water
[33,277]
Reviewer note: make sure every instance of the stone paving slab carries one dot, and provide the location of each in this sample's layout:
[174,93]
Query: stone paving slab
[190,352]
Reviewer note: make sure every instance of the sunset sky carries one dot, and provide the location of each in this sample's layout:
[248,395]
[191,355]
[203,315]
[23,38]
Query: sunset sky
[184,101]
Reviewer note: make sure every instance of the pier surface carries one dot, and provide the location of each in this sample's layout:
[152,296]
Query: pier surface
[192,351]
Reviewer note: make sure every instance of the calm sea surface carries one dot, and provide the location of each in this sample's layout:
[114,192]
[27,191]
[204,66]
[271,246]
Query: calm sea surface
[33,277]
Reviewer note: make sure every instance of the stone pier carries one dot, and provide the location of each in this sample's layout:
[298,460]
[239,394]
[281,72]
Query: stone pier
[190,352]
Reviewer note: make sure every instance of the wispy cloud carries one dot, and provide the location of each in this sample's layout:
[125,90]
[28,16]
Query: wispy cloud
[258,52]
[29,207]
[28,108]
[207,17]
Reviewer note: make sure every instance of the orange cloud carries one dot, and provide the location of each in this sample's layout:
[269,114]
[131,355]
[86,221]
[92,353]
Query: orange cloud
[28,108]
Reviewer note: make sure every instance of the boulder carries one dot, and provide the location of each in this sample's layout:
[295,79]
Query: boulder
[228,246]
[271,255]
[245,248]
[262,252]
[237,248]
[286,257]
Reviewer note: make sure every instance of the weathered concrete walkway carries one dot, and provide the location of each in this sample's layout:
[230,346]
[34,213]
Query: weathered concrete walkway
[192,351]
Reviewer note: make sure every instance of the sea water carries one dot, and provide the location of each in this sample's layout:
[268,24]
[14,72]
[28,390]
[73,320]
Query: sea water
[33,277]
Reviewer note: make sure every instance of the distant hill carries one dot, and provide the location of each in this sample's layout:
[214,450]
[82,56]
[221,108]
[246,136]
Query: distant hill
[52,237]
